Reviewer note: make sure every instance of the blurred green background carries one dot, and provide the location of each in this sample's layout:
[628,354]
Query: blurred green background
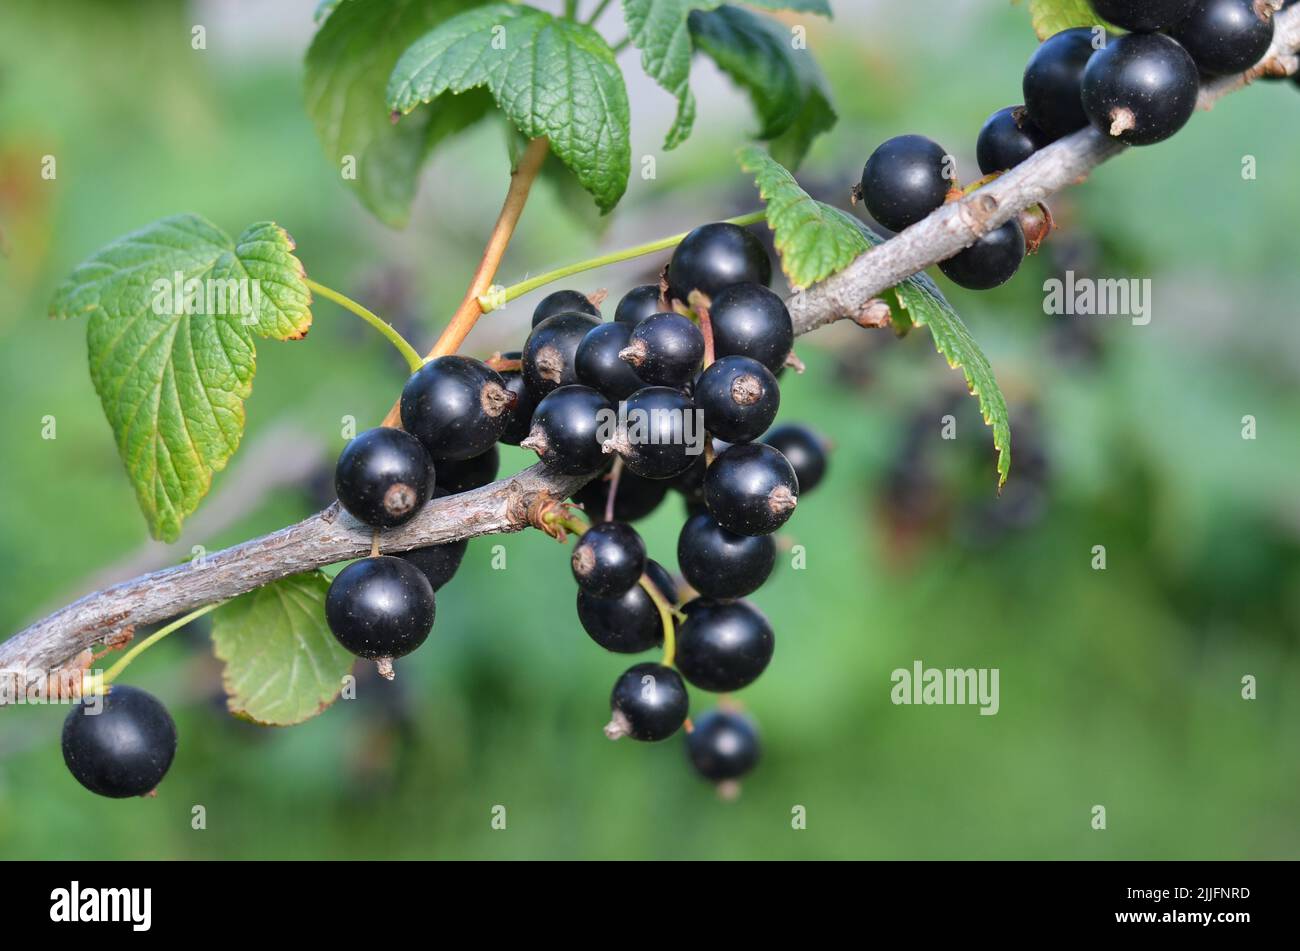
[1119,687]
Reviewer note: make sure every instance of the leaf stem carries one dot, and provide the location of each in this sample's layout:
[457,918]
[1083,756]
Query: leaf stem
[621,45]
[497,297]
[113,672]
[596,14]
[665,618]
[397,340]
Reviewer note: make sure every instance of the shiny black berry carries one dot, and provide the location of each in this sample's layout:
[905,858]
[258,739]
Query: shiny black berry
[1143,16]
[723,645]
[723,746]
[635,498]
[721,564]
[1141,88]
[1007,139]
[550,351]
[564,302]
[120,744]
[905,180]
[466,474]
[565,429]
[638,304]
[750,321]
[804,449]
[648,703]
[989,262]
[1226,36]
[380,607]
[598,364]
[716,256]
[383,477]
[660,433]
[664,349]
[629,623]
[751,489]
[608,559]
[739,398]
[439,563]
[456,406]
[519,418]
[1053,82]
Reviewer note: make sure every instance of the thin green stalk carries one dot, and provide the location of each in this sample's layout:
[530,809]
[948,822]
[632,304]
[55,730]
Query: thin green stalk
[665,618]
[497,297]
[571,9]
[112,673]
[413,359]
[621,45]
[600,8]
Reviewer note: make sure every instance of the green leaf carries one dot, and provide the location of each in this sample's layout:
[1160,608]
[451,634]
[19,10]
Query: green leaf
[815,240]
[324,9]
[785,84]
[345,77]
[551,77]
[282,663]
[1052,16]
[172,382]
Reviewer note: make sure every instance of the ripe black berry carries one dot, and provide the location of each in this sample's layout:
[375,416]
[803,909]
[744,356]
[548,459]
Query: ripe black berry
[548,357]
[1007,139]
[716,256]
[456,406]
[1142,16]
[750,321]
[608,559]
[723,746]
[648,703]
[638,304]
[439,563]
[1226,36]
[629,623]
[466,474]
[598,365]
[121,744]
[721,564]
[564,302]
[723,645]
[1054,81]
[383,477]
[636,497]
[804,450]
[519,418]
[906,179]
[565,429]
[989,262]
[1141,88]
[661,434]
[739,398]
[664,349]
[380,607]
[751,489]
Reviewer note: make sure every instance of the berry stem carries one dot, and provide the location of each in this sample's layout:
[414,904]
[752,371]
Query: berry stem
[113,672]
[497,297]
[390,333]
[701,304]
[569,523]
[665,618]
[615,474]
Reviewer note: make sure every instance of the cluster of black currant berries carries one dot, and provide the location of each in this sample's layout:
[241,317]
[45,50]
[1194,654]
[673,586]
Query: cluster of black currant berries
[1139,88]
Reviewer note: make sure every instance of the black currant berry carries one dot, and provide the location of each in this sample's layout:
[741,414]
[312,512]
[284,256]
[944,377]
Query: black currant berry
[664,349]
[905,180]
[629,623]
[565,428]
[989,262]
[636,497]
[751,489]
[120,744]
[1143,16]
[648,703]
[721,564]
[1141,88]
[638,304]
[1054,81]
[519,418]
[383,477]
[723,645]
[598,365]
[380,607]
[1007,139]
[661,433]
[804,450]
[549,352]
[1226,36]
[466,474]
[456,406]
[564,302]
[438,562]
[739,398]
[723,746]
[750,321]
[608,559]
[716,256]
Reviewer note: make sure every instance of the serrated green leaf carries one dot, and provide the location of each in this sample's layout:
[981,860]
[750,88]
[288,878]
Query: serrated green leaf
[815,240]
[551,77]
[1052,16]
[282,664]
[345,77]
[173,383]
